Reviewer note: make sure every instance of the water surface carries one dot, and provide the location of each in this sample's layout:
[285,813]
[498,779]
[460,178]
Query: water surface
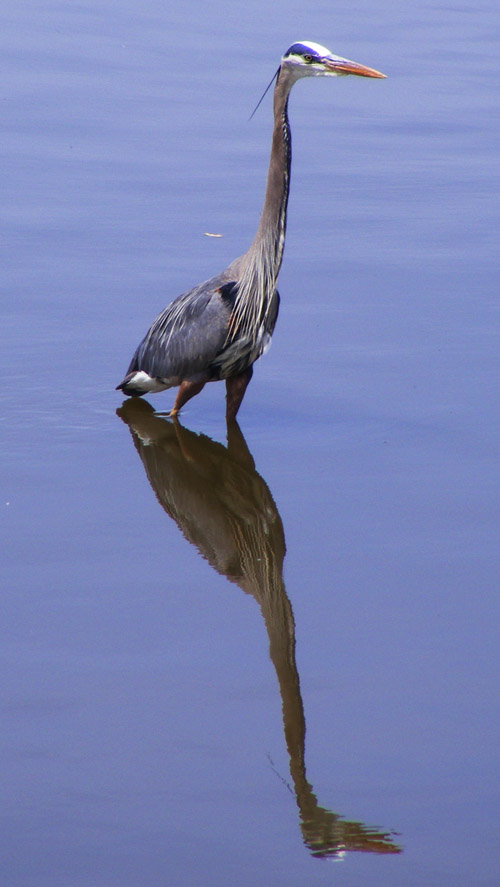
[264,654]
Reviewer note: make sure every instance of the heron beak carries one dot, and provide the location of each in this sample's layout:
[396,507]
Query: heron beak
[340,66]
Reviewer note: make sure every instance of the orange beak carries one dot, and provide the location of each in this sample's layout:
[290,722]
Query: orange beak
[341,66]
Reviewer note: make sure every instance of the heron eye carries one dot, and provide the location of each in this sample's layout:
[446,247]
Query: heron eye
[308,58]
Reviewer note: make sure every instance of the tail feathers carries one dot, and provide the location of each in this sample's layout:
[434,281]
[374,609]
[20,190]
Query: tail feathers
[138,383]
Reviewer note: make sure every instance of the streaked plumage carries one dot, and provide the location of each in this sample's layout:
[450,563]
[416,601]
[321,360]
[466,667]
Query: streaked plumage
[221,327]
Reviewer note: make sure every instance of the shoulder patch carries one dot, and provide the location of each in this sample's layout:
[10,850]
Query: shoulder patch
[229,292]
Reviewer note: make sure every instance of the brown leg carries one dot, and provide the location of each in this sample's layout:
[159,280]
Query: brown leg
[186,391]
[235,390]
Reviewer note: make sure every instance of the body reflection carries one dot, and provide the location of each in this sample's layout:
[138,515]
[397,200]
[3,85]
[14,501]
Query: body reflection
[224,507]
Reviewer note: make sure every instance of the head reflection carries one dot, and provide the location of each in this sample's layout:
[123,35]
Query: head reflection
[224,508]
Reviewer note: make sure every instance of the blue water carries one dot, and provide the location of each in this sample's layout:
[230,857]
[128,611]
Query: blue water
[276,661]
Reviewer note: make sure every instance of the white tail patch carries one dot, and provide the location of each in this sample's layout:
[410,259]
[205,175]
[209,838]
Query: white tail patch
[141,381]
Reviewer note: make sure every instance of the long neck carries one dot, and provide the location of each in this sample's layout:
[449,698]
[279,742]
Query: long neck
[269,240]
[259,267]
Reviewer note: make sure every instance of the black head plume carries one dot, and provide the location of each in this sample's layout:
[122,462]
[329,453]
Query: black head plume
[268,87]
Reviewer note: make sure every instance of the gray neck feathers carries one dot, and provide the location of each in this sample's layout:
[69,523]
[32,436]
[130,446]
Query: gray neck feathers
[261,264]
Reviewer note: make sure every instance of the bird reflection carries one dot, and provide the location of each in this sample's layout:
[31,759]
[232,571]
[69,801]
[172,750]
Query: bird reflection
[226,510]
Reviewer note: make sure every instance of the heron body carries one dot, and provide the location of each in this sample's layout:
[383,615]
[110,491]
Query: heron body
[221,327]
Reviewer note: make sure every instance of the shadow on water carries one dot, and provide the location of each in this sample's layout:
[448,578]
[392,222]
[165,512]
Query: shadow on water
[224,508]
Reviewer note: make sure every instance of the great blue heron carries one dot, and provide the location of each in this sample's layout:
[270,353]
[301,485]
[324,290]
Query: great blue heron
[218,329]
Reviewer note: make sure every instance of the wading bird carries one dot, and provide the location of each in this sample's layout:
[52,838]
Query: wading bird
[221,327]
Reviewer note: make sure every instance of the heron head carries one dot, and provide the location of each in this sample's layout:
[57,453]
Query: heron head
[307,59]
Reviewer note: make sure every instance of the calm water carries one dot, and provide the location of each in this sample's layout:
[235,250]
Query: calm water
[273,659]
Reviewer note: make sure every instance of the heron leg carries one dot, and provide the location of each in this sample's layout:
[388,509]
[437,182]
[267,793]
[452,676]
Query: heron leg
[235,390]
[186,391]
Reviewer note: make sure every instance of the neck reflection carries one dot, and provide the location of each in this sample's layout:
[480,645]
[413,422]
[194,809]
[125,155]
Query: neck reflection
[223,507]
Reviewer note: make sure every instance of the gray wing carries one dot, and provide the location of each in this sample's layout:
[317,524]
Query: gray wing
[187,336]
